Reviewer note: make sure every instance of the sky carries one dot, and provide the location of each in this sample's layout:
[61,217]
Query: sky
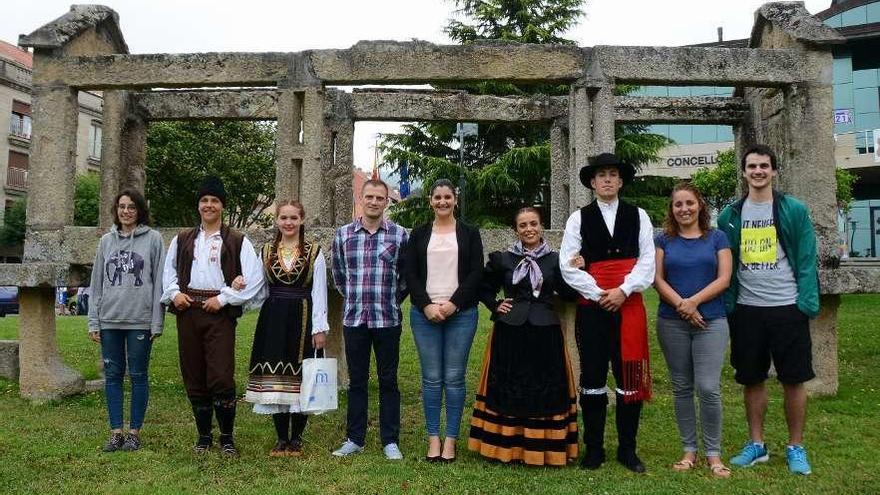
[188,26]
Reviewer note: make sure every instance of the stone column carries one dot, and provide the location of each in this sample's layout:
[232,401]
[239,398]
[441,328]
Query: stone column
[311,183]
[288,147]
[580,122]
[123,154]
[50,196]
[43,374]
[52,158]
[560,177]
[809,174]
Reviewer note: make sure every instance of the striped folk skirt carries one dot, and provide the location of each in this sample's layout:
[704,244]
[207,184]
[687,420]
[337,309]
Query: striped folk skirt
[526,404]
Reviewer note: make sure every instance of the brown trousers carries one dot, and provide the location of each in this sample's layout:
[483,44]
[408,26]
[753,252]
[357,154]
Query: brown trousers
[206,343]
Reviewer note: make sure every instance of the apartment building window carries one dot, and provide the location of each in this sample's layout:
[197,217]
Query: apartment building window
[95,140]
[17,170]
[20,123]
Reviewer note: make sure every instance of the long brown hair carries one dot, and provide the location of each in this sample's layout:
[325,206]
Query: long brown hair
[670,226]
[302,228]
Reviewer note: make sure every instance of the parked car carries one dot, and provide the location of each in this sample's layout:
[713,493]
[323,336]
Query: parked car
[8,300]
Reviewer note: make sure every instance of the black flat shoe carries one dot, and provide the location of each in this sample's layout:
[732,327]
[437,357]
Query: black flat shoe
[433,458]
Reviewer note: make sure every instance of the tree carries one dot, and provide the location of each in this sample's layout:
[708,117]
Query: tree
[846,180]
[508,165]
[650,193]
[718,184]
[14,224]
[86,199]
[181,154]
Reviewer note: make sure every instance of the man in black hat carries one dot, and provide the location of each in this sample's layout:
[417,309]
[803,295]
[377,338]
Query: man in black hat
[613,243]
[200,266]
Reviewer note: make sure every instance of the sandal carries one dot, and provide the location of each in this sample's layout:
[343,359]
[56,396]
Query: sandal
[683,465]
[719,471]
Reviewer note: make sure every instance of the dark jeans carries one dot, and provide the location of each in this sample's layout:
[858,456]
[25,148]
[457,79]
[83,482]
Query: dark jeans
[117,348]
[385,342]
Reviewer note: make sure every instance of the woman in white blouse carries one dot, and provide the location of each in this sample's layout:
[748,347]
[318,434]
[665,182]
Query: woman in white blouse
[291,326]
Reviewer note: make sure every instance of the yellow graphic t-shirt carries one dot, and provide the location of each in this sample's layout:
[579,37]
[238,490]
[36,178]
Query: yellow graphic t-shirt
[764,275]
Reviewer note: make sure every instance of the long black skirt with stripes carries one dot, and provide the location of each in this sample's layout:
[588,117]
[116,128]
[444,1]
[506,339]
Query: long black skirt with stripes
[526,406]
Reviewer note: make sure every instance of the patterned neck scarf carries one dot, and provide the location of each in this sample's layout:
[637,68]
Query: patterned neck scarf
[528,265]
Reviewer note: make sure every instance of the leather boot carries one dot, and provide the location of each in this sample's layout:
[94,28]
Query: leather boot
[594,409]
[627,418]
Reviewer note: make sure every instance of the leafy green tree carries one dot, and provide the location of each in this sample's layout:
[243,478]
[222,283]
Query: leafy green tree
[12,233]
[846,180]
[651,193]
[508,165]
[86,199]
[181,154]
[718,184]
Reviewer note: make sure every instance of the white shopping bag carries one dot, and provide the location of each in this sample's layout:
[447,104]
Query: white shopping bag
[318,392]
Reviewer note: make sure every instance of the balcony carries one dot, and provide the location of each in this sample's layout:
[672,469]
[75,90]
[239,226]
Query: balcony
[16,178]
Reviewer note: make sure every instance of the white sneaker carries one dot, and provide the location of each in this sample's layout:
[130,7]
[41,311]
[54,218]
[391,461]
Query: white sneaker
[392,452]
[348,447]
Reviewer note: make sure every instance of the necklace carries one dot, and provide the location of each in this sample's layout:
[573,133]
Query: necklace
[288,252]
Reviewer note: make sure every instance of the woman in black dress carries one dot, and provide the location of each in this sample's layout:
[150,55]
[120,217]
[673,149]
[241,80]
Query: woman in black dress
[526,407]
[291,325]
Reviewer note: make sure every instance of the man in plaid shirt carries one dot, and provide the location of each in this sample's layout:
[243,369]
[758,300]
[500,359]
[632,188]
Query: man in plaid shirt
[368,272]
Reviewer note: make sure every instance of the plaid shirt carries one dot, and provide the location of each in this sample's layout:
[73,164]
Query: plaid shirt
[368,272]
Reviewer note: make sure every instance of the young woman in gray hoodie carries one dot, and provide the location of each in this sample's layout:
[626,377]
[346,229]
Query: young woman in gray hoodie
[124,312]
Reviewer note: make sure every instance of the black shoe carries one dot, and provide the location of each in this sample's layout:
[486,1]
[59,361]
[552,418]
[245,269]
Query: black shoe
[227,446]
[132,442]
[593,459]
[114,443]
[203,444]
[631,461]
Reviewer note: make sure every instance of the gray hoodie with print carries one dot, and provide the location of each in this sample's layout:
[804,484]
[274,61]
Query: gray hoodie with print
[127,281]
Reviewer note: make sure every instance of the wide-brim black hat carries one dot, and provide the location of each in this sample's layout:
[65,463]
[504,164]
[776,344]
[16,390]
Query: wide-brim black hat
[627,171]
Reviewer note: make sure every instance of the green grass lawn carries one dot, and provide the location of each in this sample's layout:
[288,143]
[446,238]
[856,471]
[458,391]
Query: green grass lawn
[56,447]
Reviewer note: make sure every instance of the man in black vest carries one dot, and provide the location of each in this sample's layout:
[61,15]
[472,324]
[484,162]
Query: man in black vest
[200,267]
[613,242]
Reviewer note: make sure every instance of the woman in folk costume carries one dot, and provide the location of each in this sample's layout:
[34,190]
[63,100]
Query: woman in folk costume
[291,325]
[526,407]
[616,243]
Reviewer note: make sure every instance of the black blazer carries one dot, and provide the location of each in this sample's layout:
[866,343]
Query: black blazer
[470,265]
[539,310]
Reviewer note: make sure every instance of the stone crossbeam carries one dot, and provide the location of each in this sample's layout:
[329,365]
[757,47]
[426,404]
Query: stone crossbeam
[254,104]
[366,62]
[705,66]
[408,106]
[690,110]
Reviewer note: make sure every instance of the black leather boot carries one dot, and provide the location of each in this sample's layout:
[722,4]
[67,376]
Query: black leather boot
[594,409]
[627,418]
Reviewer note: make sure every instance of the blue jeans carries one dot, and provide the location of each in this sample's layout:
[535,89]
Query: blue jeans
[117,347]
[443,352]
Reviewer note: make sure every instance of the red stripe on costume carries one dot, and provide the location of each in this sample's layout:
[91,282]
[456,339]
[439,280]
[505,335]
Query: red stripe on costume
[609,274]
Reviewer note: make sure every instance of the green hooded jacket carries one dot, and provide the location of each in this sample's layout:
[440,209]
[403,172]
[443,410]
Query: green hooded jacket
[794,229]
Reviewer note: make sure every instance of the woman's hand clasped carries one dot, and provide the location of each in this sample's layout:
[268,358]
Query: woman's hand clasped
[504,306]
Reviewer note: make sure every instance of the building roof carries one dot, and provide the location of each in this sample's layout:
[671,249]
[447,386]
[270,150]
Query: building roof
[16,54]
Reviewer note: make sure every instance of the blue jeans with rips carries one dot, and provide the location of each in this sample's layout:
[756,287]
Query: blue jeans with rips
[119,347]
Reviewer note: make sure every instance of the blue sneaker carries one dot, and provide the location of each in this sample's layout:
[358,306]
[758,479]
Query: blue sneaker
[796,456]
[751,454]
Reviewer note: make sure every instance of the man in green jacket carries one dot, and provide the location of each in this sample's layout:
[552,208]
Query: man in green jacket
[773,293]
